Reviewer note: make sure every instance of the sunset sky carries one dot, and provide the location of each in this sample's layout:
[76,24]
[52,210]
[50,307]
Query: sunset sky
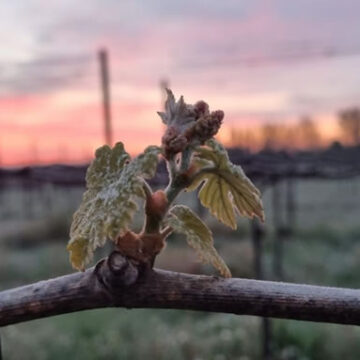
[257,60]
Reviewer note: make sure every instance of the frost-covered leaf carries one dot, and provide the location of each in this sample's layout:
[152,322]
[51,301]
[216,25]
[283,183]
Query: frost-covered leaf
[198,235]
[108,205]
[225,188]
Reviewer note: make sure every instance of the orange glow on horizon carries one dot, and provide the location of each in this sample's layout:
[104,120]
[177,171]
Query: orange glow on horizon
[66,127]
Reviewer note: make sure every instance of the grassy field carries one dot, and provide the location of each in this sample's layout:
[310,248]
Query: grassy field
[325,250]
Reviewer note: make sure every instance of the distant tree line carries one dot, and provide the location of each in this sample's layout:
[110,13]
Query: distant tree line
[304,134]
[349,121]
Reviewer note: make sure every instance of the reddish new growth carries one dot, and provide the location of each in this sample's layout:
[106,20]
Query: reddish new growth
[173,142]
[187,125]
[206,127]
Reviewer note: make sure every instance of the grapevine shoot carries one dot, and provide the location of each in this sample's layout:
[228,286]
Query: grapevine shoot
[195,160]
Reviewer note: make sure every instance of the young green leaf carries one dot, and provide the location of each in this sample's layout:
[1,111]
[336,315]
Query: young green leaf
[108,204]
[181,219]
[225,187]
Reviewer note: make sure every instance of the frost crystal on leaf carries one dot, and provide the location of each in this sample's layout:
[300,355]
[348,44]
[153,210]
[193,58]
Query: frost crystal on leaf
[108,205]
[182,220]
[225,187]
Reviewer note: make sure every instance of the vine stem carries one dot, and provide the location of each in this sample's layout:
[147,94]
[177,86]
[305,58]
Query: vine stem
[147,188]
[166,232]
[178,181]
[117,282]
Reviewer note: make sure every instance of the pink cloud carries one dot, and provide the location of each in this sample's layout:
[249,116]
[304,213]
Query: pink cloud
[78,129]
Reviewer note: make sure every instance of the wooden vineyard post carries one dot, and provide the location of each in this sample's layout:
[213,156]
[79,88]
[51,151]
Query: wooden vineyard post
[290,204]
[28,199]
[105,88]
[282,231]
[279,235]
[257,235]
